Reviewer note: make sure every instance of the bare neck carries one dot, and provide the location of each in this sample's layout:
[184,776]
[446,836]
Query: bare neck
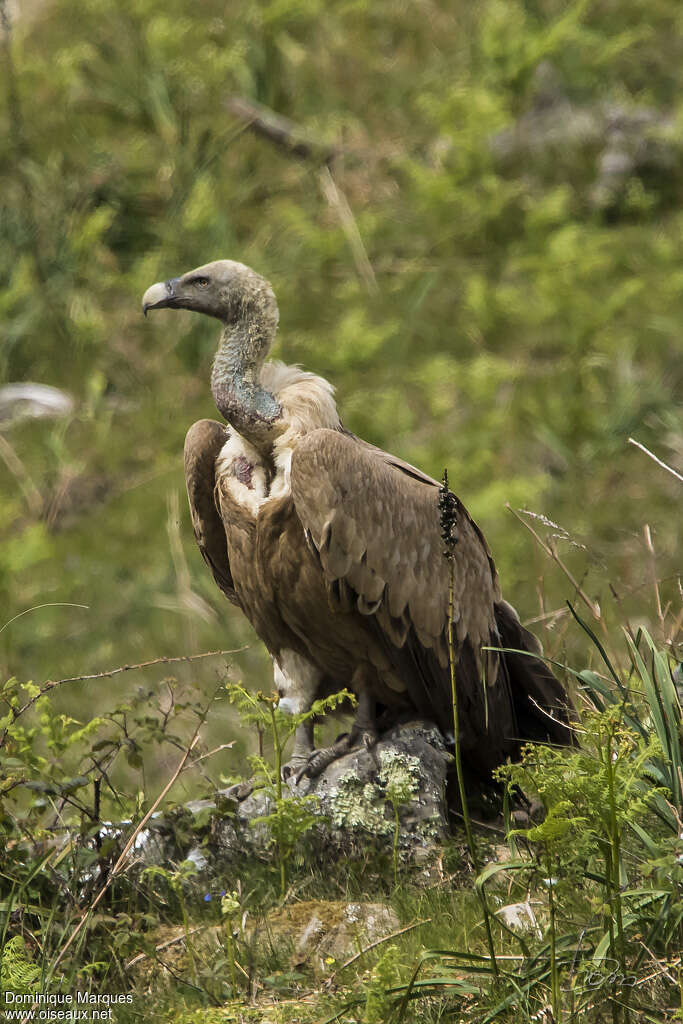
[235,382]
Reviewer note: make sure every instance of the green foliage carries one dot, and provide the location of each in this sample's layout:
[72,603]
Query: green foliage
[293,814]
[398,776]
[61,828]
[18,972]
[507,327]
[604,855]
[513,332]
[385,975]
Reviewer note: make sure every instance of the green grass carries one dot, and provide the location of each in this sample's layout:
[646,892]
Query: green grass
[596,886]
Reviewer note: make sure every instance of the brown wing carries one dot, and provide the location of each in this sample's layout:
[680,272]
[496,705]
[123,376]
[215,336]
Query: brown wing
[203,442]
[417,474]
[374,523]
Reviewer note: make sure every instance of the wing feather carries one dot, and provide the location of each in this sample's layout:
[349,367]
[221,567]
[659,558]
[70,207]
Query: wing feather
[203,442]
[374,522]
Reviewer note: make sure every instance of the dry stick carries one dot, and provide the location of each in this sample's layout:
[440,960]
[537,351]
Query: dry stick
[286,135]
[552,553]
[339,203]
[37,607]
[653,565]
[548,617]
[210,753]
[164,945]
[34,498]
[173,942]
[655,459]
[163,660]
[377,942]
[129,845]
[572,727]
[282,132]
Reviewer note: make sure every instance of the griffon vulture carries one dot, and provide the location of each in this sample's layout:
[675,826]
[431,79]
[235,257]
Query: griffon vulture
[332,549]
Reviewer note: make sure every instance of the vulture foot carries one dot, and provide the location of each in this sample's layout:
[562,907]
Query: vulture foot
[321,759]
[295,765]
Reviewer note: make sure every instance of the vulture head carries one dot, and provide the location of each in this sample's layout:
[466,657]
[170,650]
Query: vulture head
[245,304]
[226,290]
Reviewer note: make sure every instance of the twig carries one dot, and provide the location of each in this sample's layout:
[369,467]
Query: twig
[479,824]
[572,728]
[37,607]
[51,683]
[657,974]
[33,497]
[655,459]
[653,565]
[282,132]
[118,866]
[172,942]
[162,660]
[547,617]
[552,553]
[339,203]
[378,942]
[164,945]
[210,753]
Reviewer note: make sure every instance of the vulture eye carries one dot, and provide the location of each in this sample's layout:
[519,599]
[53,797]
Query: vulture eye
[201,282]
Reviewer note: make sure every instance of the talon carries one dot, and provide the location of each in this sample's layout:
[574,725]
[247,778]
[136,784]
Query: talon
[240,791]
[294,766]
[369,739]
[319,760]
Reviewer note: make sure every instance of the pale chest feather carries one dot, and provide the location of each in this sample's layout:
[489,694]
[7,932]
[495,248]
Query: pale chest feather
[242,472]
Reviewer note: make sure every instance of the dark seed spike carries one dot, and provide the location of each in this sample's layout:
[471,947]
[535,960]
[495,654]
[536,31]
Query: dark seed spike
[448,506]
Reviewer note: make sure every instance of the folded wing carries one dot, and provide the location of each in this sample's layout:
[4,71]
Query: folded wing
[374,524]
[203,442]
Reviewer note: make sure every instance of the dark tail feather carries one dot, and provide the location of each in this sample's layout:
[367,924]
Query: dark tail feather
[542,707]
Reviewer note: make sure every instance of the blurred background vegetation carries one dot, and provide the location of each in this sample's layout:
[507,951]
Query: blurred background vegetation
[489,271]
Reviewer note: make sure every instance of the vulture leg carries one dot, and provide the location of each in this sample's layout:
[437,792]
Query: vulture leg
[297,681]
[303,749]
[363,731]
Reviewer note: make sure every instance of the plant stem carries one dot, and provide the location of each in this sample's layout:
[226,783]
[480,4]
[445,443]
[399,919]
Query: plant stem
[458,769]
[277,749]
[231,957]
[395,850]
[178,886]
[554,977]
[615,863]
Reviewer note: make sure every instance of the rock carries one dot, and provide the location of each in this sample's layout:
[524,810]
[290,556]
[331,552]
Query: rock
[519,916]
[353,798]
[321,935]
[331,930]
[354,804]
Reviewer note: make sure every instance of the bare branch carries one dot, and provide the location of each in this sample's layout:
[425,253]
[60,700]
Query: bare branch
[282,132]
[378,942]
[552,553]
[655,459]
[120,863]
[339,203]
[163,660]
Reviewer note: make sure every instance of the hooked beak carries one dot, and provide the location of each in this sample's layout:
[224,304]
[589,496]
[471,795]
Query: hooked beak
[162,295]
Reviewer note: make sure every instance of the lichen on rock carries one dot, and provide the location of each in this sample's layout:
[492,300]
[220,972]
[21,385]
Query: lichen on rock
[355,804]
